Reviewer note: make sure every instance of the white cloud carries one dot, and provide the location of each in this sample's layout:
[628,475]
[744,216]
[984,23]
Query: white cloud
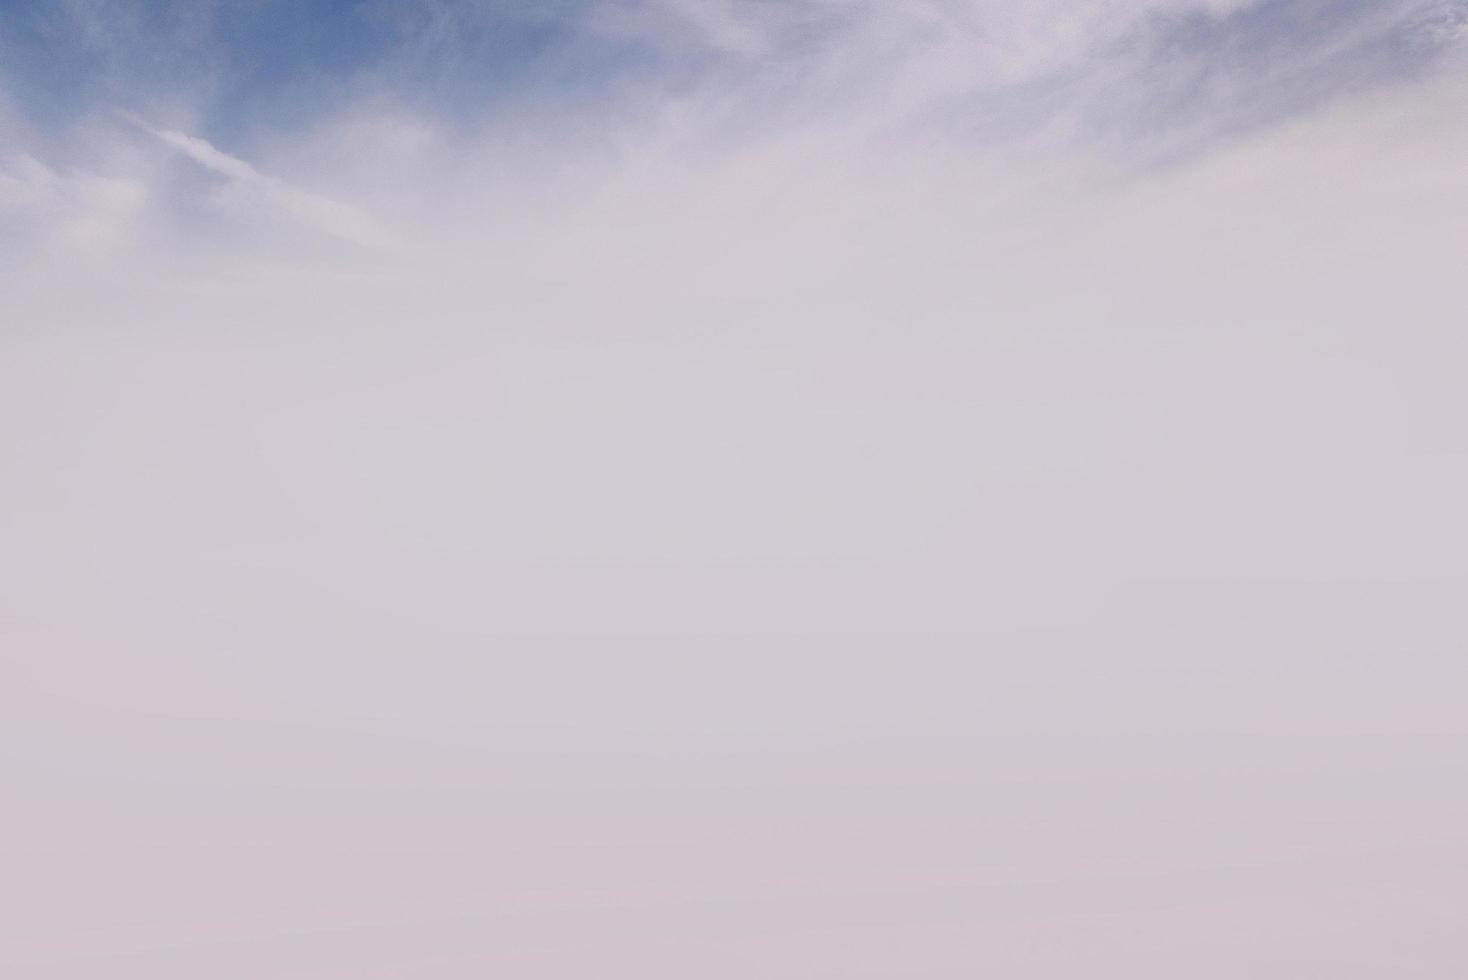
[76,212]
[313,211]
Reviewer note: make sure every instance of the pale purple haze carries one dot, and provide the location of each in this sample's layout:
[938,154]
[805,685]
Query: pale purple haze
[925,491]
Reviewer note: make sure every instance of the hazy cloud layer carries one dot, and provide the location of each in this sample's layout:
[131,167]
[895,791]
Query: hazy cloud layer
[668,489]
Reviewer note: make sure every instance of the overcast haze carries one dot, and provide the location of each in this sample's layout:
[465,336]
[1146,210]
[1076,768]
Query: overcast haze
[694,489]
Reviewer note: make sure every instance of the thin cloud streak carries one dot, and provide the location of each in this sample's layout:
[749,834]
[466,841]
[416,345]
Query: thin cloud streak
[314,211]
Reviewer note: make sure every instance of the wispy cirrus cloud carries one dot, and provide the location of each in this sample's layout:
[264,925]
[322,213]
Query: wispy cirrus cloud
[553,89]
[257,190]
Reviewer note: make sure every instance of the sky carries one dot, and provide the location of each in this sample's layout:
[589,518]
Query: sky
[924,489]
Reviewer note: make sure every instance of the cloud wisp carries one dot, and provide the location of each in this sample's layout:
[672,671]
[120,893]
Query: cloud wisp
[320,213]
[602,90]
